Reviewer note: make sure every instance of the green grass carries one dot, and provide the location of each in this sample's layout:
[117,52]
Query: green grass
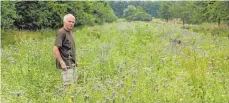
[130,62]
[209,29]
[15,36]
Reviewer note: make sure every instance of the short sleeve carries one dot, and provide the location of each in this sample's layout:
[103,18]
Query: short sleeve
[59,39]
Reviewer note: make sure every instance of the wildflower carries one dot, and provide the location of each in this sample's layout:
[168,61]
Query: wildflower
[123,99]
[86,97]
[121,84]
[59,88]
[129,91]
[126,63]
[123,76]
[181,99]
[157,89]
[164,85]
[134,82]
[109,82]
[107,76]
[211,67]
[120,67]
[11,59]
[1,53]
[107,99]
[18,93]
[114,94]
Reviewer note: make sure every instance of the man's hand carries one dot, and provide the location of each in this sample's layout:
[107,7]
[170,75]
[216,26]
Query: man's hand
[63,65]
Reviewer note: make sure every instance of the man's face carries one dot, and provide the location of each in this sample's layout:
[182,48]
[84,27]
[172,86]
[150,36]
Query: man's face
[69,23]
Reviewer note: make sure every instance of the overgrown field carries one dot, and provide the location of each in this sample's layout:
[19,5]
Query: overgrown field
[122,62]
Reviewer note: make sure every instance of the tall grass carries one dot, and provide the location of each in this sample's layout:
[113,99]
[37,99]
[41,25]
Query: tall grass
[129,62]
[15,36]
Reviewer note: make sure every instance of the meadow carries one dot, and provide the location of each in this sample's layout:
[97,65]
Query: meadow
[122,62]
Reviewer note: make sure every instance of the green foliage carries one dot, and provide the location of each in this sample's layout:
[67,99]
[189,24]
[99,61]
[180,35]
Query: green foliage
[14,36]
[39,14]
[8,14]
[139,9]
[218,11]
[150,7]
[130,10]
[81,10]
[181,10]
[195,12]
[141,16]
[209,29]
[164,10]
[118,7]
[198,12]
[136,13]
[102,12]
[56,13]
[91,13]
[34,15]
[109,13]
[31,15]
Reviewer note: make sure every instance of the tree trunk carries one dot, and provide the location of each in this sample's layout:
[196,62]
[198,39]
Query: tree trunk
[218,22]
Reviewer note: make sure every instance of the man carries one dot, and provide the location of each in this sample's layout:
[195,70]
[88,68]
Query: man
[64,50]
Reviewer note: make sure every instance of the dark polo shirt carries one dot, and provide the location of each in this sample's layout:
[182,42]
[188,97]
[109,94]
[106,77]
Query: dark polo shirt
[66,44]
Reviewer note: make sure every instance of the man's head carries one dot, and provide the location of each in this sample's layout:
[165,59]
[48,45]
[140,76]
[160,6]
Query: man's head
[69,21]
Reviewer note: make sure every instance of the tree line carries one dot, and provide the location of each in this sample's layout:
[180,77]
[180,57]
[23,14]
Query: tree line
[195,12]
[33,15]
[189,12]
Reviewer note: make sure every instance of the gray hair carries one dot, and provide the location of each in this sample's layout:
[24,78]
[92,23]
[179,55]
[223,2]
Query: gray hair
[67,16]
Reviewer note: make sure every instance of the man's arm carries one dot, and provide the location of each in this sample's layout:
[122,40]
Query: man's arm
[58,57]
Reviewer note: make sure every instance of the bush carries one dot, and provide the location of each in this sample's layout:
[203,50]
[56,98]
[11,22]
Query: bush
[142,16]
[136,14]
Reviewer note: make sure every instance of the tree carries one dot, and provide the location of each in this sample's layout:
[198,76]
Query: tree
[164,11]
[39,14]
[102,12]
[150,7]
[130,10]
[181,10]
[118,7]
[136,13]
[8,14]
[218,11]
[198,12]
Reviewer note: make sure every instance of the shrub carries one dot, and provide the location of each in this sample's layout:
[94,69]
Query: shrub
[142,16]
[133,13]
